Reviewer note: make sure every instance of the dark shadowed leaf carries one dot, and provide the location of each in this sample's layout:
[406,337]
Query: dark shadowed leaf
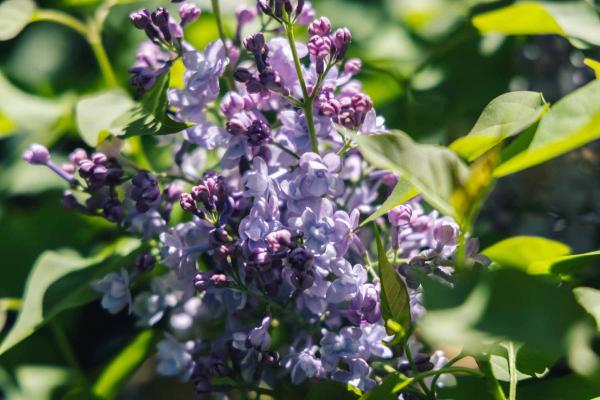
[60,280]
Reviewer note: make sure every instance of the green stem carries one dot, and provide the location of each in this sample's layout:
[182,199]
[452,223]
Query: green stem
[65,348]
[217,12]
[307,103]
[494,388]
[91,33]
[94,38]
[448,370]
[512,368]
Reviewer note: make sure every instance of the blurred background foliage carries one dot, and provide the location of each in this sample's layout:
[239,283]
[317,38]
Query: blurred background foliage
[426,68]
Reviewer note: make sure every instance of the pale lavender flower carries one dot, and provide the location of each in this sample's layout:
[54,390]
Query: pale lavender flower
[304,365]
[114,288]
[175,358]
[357,374]
[339,346]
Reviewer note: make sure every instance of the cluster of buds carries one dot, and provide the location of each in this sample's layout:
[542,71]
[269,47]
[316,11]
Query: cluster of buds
[325,47]
[283,10]
[301,262]
[207,368]
[348,111]
[145,191]
[257,132]
[365,307]
[210,196]
[267,80]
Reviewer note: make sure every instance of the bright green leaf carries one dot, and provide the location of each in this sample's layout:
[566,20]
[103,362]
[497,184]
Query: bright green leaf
[505,116]
[565,265]
[576,20]
[570,123]
[403,192]
[59,280]
[116,373]
[433,170]
[395,304]
[149,117]
[96,113]
[521,251]
[14,16]
[388,389]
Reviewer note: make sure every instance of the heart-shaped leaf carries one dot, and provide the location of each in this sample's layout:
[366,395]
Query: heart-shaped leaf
[14,16]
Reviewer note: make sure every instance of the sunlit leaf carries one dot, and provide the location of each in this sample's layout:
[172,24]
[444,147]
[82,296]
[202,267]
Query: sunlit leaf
[403,192]
[395,304]
[59,280]
[570,123]
[522,251]
[505,116]
[124,364]
[14,16]
[564,265]
[576,20]
[96,113]
[433,170]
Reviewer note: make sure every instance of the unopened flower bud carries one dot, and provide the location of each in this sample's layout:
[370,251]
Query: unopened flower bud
[188,13]
[353,66]
[187,203]
[245,15]
[140,19]
[400,215]
[242,75]
[341,39]
[320,27]
[36,154]
[145,262]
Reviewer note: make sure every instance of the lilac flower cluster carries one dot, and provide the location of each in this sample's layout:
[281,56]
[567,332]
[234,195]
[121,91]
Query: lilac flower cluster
[271,241]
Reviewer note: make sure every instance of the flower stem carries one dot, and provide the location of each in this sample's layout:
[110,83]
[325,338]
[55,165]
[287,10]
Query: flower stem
[217,12]
[411,361]
[308,100]
[512,368]
[91,33]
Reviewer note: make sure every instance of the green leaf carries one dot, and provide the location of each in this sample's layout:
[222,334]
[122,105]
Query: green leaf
[149,117]
[403,192]
[388,389]
[575,20]
[434,171]
[505,116]
[395,303]
[504,304]
[521,251]
[116,373]
[59,280]
[569,387]
[29,112]
[14,16]
[566,265]
[96,113]
[571,123]
[529,363]
[589,298]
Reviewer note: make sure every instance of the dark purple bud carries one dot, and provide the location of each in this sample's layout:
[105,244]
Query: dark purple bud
[113,211]
[187,203]
[86,167]
[300,259]
[303,280]
[114,175]
[188,13]
[320,27]
[160,17]
[258,133]
[232,104]
[173,192]
[299,8]
[140,19]
[219,235]
[145,262]
[242,75]
[255,43]
[36,154]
